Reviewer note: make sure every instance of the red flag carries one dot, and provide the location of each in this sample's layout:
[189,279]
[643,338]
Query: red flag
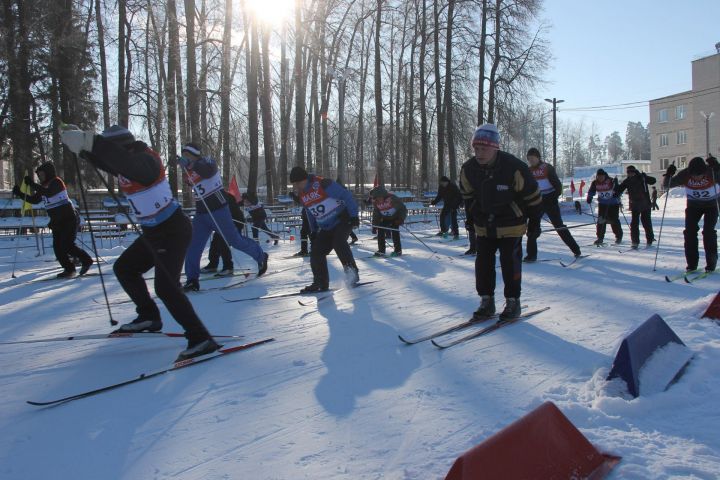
[233,189]
[582,184]
[572,187]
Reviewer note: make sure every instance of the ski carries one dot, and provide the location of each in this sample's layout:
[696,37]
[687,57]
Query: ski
[54,278]
[672,278]
[103,336]
[544,260]
[330,293]
[573,260]
[695,278]
[489,329]
[450,329]
[144,376]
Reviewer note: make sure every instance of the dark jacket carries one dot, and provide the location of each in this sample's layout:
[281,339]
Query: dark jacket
[504,195]
[235,211]
[710,178]
[450,195]
[49,188]
[638,192]
[389,203]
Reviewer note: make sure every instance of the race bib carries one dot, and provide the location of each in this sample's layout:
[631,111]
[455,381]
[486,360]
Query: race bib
[605,195]
[324,209]
[148,203]
[709,193]
[60,198]
[204,187]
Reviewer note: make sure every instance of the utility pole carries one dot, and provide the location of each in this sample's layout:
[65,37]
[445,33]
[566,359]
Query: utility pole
[554,102]
[707,116]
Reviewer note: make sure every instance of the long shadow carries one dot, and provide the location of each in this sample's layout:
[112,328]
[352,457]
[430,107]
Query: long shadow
[362,355]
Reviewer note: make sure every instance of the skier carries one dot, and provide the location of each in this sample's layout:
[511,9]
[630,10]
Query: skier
[636,185]
[165,236]
[218,247]
[258,216]
[64,218]
[551,189]
[451,197]
[504,196]
[608,206]
[701,187]
[472,250]
[332,214]
[653,197]
[304,228]
[389,213]
[211,214]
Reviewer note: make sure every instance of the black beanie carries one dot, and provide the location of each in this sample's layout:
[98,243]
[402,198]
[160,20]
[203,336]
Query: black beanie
[601,172]
[534,152]
[697,166]
[119,135]
[298,174]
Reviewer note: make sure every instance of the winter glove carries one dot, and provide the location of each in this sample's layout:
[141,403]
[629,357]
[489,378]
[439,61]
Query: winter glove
[354,222]
[671,170]
[29,180]
[77,140]
[16,191]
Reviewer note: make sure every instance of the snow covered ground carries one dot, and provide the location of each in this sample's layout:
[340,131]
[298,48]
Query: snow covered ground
[337,396]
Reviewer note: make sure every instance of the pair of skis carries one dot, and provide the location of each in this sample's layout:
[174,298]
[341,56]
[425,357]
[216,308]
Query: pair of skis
[322,295]
[499,323]
[689,276]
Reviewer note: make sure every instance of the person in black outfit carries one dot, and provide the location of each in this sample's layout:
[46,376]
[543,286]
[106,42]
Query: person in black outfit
[304,228]
[166,233]
[218,247]
[472,238]
[551,189]
[701,187]
[654,196]
[636,185]
[63,218]
[258,215]
[451,197]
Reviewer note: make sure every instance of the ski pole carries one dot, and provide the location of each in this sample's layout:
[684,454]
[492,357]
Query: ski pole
[269,232]
[662,220]
[568,228]
[418,239]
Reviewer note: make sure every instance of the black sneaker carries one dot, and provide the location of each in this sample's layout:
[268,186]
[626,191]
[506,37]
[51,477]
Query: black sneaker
[208,269]
[67,273]
[86,266]
[486,309]
[635,246]
[314,287]
[618,241]
[225,272]
[140,325]
[262,265]
[379,254]
[196,349]
[599,242]
[192,285]
[512,309]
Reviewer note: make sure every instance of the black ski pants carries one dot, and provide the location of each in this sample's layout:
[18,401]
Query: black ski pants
[219,249]
[326,241]
[64,234]
[609,214]
[643,217]
[692,226]
[510,264]
[304,231]
[263,226]
[162,247]
[390,229]
[448,220]
[552,210]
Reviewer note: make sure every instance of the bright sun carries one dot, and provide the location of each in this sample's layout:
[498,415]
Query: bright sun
[272,12]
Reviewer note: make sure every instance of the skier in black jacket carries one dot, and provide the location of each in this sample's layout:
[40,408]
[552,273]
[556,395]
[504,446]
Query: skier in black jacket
[451,197]
[218,247]
[258,215]
[636,185]
[63,218]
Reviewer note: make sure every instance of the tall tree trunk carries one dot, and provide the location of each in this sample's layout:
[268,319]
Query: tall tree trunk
[202,78]
[438,93]
[191,77]
[483,48]
[492,87]
[314,102]
[449,125]
[359,146]
[103,68]
[410,114]
[401,60]
[225,80]
[299,87]
[285,105]
[252,56]
[173,66]
[380,154]
[424,134]
[267,118]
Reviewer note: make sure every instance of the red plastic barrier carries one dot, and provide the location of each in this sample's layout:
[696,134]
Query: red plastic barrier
[542,445]
[713,310]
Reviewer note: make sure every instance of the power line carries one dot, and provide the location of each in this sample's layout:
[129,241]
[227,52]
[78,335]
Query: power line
[642,103]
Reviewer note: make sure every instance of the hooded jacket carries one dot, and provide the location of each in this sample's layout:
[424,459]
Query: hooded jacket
[53,192]
[450,195]
[638,191]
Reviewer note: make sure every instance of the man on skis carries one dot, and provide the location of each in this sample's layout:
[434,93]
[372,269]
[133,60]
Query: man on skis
[218,247]
[551,189]
[504,195]
[212,214]
[636,185]
[700,180]
[165,236]
[608,206]
[332,214]
[389,213]
[63,218]
[451,197]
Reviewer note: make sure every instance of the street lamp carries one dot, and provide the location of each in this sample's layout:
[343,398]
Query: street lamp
[707,116]
[554,102]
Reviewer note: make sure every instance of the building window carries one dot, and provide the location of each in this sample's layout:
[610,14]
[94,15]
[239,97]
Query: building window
[680,112]
[664,163]
[663,140]
[682,137]
[682,162]
[663,115]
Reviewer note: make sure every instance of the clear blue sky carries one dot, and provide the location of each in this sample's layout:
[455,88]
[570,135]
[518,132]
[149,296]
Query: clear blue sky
[612,52]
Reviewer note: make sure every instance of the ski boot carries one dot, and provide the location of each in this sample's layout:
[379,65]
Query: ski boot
[396,253]
[86,266]
[192,285]
[599,242]
[471,251]
[512,309]
[486,309]
[379,254]
[529,259]
[352,276]
[196,349]
[225,272]
[314,288]
[67,273]
[208,269]
[262,265]
[141,325]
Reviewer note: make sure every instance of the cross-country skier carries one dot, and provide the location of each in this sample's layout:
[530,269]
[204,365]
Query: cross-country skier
[636,185]
[472,238]
[165,236]
[451,197]
[608,206]
[211,215]
[551,189]
[258,215]
[63,218]
[332,214]
[504,196]
[218,247]
[389,213]
[701,187]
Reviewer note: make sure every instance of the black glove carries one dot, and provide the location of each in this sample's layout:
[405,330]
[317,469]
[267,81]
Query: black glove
[354,222]
[671,170]
[16,191]
[29,180]
[533,228]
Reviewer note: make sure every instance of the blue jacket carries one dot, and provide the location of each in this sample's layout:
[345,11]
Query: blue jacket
[348,207]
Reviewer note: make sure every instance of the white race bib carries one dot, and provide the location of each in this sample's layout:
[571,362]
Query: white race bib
[207,186]
[324,209]
[605,195]
[148,203]
[709,193]
[56,200]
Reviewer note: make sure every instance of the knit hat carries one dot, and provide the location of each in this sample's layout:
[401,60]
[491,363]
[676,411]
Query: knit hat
[48,168]
[298,174]
[533,152]
[631,168]
[192,148]
[600,171]
[378,192]
[119,135]
[486,135]
[697,166]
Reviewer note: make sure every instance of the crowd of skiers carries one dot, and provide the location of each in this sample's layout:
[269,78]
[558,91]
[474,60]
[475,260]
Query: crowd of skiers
[504,199]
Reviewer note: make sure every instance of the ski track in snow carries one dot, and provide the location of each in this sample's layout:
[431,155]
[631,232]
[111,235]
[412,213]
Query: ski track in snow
[337,395]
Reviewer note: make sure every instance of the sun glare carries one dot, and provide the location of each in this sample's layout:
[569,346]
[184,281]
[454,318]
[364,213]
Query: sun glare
[272,12]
